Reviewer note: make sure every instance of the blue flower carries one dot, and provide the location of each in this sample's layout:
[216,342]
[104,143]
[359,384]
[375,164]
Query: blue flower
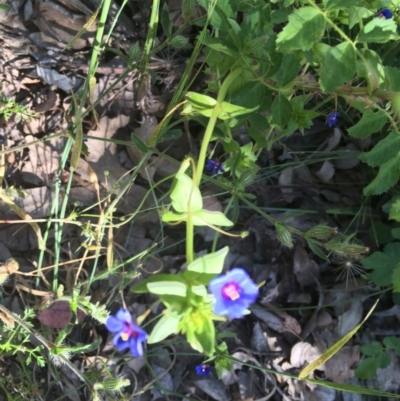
[385,13]
[215,166]
[203,370]
[127,333]
[333,118]
[233,293]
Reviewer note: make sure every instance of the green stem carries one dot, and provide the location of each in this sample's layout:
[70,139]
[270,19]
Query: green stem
[212,121]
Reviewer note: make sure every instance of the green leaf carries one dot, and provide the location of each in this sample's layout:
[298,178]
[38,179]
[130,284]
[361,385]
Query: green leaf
[229,111]
[167,325]
[139,144]
[289,69]
[340,4]
[356,14]
[369,124]
[207,218]
[388,176]
[141,287]
[392,342]
[384,150]
[211,263]
[186,195]
[378,30]
[281,110]
[316,249]
[306,26]
[393,76]
[367,369]
[371,69]
[206,337]
[373,349]
[395,211]
[383,360]
[168,288]
[396,278]
[200,102]
[165,21]
[339,66]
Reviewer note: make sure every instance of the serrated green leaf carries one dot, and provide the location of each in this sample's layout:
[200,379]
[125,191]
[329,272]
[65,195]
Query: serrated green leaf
[384,150]
[396,278]
[373,349]
[369,124]
[388,176]
[281,110]
[378,30]
[339,66]
[167,325]
[211,263]
[367,369]
[306,25]
[176,288]
[340,4]
[392,342]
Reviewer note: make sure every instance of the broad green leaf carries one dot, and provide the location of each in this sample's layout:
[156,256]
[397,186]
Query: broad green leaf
[339,66]
[382,268]
[167,325]
[378,30]
[370,123]
[306,26]
[211,263]
[199,101]
[393,76]
[141,287]
[168,287]
[384,150]
[392,342]
[229,111]
[340,4]
[367,369]
[356,14]
[207,218]
[289,69]
[330,352]
[388,176]
[396,278]
[373,349]
[186,194]
[171,217]
[383,360]
[281,110]
[371,69]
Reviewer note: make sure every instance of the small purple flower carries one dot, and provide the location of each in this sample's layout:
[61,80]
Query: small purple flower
[203,370]
[215,166]
[385,14]
[333,118]
[233,293]
[127,333]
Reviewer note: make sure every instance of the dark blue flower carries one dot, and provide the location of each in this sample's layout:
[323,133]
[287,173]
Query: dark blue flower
[333,118]
[215,166]
[233,292]
[127,333]
[203,370]
[385,13]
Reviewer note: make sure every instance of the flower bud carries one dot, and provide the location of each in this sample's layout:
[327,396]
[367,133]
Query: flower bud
[112,384]
[321,232]
[284,236]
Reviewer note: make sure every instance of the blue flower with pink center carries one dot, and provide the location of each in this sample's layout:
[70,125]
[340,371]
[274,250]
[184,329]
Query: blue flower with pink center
[203,370]
[127,333]
[234,292]
[385,14]
[215,166]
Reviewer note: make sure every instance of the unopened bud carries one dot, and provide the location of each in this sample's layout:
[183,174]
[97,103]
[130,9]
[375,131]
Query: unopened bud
[349,250]
[284,236]
[321,232]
